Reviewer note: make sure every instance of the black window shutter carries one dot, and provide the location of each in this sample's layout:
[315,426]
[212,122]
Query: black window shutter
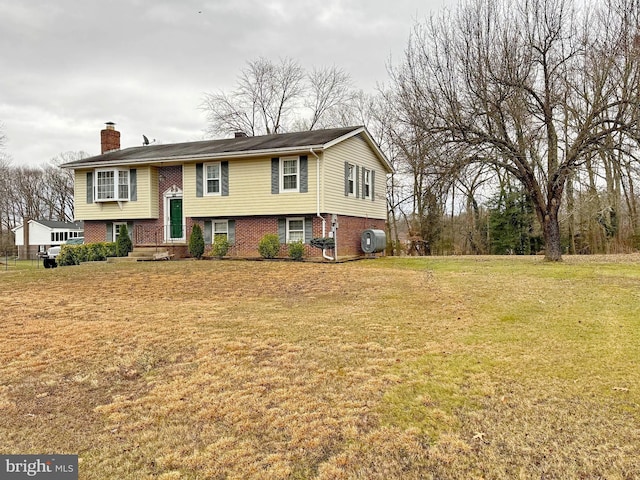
[275,175]
[373,183]
[364,190]
[357,180]
[231,232]
[282,230]
[224,172]
[133,185]
[89,187]
[304,174]
[109,232]
[198,179]
[308,229]
[346,179]
[208,232]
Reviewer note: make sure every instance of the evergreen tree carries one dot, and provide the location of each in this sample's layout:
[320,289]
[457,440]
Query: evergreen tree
[196,242]
[123,243]
[511,221]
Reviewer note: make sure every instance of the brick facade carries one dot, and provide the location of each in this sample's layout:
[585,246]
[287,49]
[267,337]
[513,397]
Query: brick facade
[248,233]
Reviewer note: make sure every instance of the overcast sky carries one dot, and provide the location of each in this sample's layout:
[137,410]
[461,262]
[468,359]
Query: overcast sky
[69,66]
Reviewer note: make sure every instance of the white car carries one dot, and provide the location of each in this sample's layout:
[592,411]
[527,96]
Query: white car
[49,257]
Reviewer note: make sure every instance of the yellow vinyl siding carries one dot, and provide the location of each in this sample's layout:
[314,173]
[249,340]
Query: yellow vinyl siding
[357,152]
[146,205]
[249,192]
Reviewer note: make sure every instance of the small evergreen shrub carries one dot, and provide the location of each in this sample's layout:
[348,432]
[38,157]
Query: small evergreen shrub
[123,243]
[296,251]
[269,246]
[68,255]
[89,252]
[196,242]
[220,247]
[326,243]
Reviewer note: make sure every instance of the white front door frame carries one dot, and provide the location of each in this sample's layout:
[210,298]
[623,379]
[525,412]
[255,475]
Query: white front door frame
[174,192]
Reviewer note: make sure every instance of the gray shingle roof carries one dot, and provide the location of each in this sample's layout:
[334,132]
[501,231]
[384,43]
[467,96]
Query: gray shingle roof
[230,146]
[65,225]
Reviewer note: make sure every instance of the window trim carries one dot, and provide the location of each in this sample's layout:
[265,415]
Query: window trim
[288,229]
[116,185]
[213,229]
[282,175]
[366,184]
[351,179]
[116,229]
[205,179]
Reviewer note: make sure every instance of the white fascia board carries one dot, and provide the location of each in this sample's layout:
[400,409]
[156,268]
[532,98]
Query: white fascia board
[209,156]
[367,136]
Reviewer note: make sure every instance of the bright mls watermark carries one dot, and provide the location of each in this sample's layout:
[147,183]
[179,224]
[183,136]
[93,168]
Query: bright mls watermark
[46,467]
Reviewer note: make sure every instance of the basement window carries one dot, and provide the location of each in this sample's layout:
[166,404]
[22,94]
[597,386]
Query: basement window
[221,230]
[295,230]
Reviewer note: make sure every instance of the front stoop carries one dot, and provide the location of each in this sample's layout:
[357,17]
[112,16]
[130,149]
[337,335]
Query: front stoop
[143,254]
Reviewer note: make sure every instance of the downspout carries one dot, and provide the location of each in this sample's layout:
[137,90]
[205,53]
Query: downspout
[324,222]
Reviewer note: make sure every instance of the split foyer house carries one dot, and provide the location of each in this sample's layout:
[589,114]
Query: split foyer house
[298,185]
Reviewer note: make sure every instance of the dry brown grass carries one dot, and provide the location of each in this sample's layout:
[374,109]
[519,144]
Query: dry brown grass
[411,368]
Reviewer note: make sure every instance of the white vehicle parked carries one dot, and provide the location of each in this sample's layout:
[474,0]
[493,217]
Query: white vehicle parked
[49,257]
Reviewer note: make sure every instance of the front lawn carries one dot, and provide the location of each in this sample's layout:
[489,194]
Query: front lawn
[448,368]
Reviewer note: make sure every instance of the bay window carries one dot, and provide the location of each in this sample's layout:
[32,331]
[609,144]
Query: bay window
[112,185]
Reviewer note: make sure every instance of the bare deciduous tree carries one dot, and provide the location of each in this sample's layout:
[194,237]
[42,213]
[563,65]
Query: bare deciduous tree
[272,97]
[533,88]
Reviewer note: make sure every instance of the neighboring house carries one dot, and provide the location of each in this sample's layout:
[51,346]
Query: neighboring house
[42,234]
[296,185]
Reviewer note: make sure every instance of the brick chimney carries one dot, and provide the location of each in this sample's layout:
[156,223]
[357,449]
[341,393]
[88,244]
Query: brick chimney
[109,138]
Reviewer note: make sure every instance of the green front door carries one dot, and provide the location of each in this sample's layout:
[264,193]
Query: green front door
[175,218]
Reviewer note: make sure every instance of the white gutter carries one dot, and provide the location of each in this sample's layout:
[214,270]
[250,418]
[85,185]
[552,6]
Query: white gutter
[324,222]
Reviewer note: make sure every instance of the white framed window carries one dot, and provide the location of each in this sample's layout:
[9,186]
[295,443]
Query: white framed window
[123,184]
[351,180]
[220,229]
[366,184]
[212,178]
[116,230]
[112,185]
[295,230]
[290,174]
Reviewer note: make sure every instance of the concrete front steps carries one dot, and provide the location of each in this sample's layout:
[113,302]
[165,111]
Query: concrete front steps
[143,254]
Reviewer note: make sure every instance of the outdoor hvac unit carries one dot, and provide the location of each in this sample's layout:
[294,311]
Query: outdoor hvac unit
[373,241]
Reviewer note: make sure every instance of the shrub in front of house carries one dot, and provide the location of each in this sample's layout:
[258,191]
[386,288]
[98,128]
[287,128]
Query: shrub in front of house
[123,243]
[68,255]
[220,247]
[269,246]
[89,252]
[296,251]
[196,242]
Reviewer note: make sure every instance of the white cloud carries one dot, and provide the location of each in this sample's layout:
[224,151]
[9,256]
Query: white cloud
[69,66]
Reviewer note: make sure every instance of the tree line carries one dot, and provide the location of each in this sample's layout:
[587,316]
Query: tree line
[512,126]
[44,192]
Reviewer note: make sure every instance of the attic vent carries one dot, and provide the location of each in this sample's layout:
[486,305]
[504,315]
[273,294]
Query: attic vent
[373,241]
